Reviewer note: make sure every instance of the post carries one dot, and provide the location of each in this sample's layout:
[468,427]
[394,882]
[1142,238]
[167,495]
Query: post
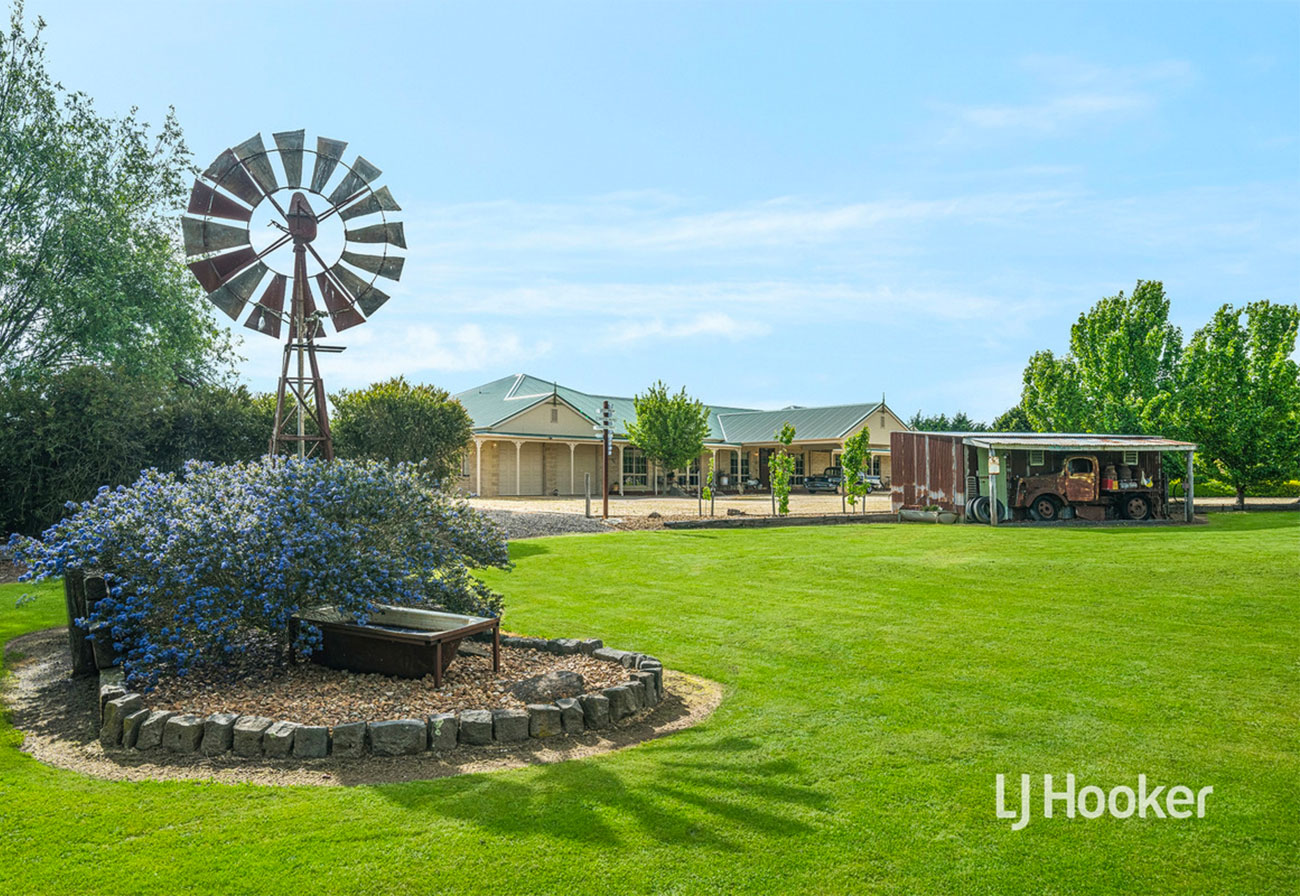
[478,468]
[586,478]
[772,489]
[994,464]
[1189,489]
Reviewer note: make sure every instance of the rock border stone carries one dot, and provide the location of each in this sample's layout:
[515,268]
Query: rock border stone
[126,722]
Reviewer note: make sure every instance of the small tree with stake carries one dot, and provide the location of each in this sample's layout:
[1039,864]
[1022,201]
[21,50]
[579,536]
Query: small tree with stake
[782,470]
[852,463]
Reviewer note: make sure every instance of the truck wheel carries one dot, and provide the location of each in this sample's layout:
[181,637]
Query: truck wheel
[978,509]
[1136,507]
[1048,508]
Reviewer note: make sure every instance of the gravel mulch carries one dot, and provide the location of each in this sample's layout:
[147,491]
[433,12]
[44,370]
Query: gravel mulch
[538,525]
[314,695]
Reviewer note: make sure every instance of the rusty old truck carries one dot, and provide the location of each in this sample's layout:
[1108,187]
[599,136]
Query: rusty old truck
[1092,492]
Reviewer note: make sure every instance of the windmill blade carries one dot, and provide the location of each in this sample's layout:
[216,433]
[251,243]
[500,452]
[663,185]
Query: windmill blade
[379,201]
[368,297]
[252,152]
[341,310]
[208,202]
[213,272]
[266,314]
[328,153]
[227,173]
[360,174]
[232,297]
[383,265]
[350,281]
[371,301]
[202,236]
[290,145]
[388,232]
[263,321]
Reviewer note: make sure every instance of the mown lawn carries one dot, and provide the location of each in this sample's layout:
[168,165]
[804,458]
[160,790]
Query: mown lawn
[877,678]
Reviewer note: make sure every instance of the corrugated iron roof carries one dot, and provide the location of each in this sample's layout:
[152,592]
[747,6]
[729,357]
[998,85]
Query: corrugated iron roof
[1069,441]
[810,424]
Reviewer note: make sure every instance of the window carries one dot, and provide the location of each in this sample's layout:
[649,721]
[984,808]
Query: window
[1036,458]
[740,470]
[797,477]
[634,467]
[464,464]
[1080,465]
[692,473]
[1130,458]
[875,465]
[555,414]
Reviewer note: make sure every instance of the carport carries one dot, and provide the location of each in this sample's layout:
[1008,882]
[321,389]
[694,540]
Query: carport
[954,470]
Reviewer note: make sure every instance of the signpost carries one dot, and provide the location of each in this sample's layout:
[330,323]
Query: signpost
[607,439]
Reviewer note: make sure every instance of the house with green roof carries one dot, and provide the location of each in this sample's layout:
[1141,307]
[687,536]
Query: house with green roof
[534,437]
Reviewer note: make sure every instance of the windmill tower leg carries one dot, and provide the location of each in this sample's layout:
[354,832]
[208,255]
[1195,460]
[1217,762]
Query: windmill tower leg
[310,439]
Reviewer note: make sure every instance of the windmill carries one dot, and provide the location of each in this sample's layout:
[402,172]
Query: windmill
[250,244]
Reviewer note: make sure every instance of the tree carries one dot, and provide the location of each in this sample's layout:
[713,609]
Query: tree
[397,421]
[1119,372]
[90,270]
[959,422]
[1013,419]
[782,466]
[669,429]
[1239,394]
[853,463]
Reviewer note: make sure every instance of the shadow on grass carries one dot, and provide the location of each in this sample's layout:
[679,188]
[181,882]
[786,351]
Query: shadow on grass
[531,548]
[693,796]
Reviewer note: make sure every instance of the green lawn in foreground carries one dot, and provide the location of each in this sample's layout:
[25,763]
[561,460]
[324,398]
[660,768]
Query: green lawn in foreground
[877,678]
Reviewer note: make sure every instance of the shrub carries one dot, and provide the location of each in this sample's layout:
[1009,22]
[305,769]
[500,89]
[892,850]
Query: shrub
[63,434]
[396,421]
[199,561]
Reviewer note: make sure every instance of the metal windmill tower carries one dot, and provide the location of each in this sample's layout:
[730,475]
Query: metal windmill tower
[240,189]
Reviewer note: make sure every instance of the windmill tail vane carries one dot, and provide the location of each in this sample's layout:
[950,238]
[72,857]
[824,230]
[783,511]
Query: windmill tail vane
[248,182]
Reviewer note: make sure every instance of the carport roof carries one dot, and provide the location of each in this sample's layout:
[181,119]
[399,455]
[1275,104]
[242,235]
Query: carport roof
[1063,441]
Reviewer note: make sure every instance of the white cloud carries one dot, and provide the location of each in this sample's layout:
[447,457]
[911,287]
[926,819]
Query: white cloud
[708,324]
[1079,93]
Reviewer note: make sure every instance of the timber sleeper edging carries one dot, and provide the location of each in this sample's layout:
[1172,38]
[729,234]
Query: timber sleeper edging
[127,723]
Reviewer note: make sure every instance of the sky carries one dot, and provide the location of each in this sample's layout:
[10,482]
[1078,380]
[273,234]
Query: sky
[769,204]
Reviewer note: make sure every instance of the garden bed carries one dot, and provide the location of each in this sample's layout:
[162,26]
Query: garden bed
[302,713]
[58,716]
[316,695]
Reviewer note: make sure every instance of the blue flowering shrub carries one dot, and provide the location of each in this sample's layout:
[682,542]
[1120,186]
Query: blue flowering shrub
[197,561]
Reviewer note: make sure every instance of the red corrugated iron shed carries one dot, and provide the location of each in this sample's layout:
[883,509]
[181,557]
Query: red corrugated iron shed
[928,468]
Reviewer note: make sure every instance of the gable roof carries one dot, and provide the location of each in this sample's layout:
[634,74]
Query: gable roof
[492,403]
